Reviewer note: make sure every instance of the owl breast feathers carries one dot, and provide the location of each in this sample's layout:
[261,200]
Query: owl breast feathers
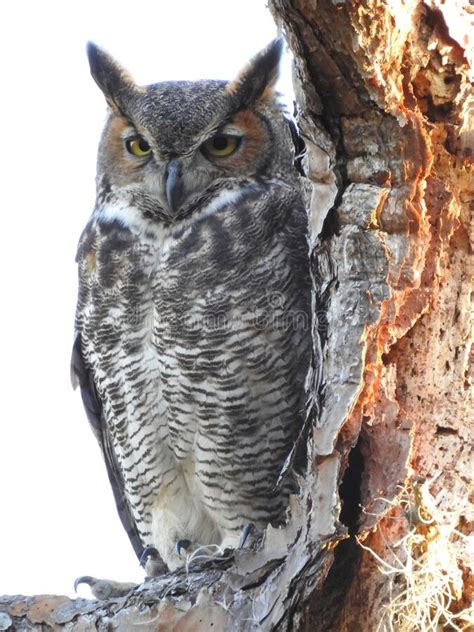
[193,331]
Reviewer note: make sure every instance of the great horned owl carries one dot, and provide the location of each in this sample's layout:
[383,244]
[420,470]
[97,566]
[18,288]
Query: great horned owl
[193,328]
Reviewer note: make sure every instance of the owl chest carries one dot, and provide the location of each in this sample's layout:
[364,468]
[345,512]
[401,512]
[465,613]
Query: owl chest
[207,271]
[166,323]
[212,310]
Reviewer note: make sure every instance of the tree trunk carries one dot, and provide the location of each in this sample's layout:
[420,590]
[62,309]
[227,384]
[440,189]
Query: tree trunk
[384,106]
[385,101]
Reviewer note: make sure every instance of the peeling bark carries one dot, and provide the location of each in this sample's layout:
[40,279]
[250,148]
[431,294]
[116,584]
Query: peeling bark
[388,114]
[386,111]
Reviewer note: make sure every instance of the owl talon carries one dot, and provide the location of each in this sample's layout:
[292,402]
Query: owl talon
[148,552]
[250,536]
[182,544]
[246,531]
[152,562]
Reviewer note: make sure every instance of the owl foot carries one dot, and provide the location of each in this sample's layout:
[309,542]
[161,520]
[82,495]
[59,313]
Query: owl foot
[105,588]
[152,562]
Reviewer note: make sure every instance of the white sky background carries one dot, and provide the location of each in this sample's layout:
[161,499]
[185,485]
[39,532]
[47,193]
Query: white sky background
[57,514]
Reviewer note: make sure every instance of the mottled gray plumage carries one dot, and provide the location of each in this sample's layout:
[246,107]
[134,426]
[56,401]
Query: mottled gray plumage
[193,317]
[105,588]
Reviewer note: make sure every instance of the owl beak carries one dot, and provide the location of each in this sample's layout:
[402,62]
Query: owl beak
[174,185]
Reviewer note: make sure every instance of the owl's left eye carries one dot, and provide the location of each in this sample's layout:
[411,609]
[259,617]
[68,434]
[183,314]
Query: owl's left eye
[221,145]
[138,147]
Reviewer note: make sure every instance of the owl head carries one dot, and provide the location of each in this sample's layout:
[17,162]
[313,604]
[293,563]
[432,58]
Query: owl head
[168,147]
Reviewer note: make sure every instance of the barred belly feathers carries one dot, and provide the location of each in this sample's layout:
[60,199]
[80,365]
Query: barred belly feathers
[193,330]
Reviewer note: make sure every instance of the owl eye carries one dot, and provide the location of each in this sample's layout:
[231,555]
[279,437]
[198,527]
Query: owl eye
[138,147]
[221,145]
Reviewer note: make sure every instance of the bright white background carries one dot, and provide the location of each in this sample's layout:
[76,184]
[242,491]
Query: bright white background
[57,515]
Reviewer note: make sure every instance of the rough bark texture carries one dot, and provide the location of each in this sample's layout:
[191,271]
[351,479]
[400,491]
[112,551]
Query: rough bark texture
[384,106]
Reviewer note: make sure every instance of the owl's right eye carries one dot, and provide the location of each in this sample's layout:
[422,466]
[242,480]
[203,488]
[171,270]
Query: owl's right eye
[138,147]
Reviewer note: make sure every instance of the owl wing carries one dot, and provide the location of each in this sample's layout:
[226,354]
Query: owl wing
[82,376]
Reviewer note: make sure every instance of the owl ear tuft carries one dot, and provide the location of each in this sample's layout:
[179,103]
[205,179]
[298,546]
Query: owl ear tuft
[256,81]
[114,81]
